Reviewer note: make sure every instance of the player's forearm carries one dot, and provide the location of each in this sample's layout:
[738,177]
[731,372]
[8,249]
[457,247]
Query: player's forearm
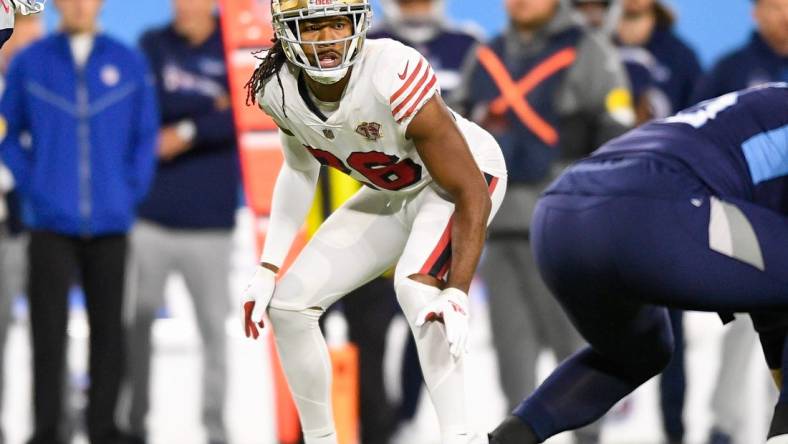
[469,227]
[292,199]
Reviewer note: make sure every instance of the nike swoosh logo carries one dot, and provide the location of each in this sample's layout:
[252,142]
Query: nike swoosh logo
[401,76]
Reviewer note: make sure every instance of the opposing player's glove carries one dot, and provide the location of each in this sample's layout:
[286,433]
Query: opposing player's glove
[451,309]
[257,296]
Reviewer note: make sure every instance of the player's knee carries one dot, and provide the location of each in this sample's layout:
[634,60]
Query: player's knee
[655,355]
[412,295]
[289,322]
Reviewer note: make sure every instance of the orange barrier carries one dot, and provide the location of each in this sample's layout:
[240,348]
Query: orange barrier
[345,392]
[247,118]
[246,28]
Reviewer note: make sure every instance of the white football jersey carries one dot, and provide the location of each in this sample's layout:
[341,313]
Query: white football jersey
[365,136]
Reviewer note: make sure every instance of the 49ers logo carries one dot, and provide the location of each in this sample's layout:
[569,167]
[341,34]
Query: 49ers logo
[370,130]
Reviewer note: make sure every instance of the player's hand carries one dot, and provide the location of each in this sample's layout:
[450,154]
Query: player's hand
[451,309]
[257,296]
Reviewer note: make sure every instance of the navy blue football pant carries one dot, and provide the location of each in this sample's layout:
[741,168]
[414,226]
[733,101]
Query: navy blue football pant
[618,242]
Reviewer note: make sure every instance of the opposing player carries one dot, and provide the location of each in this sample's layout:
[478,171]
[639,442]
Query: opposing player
[433,181]
[689,212]
[9,8]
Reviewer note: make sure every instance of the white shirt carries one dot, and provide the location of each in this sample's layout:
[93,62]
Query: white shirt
[81,45]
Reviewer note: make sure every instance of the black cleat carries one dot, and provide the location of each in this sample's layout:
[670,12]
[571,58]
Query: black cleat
[513,431]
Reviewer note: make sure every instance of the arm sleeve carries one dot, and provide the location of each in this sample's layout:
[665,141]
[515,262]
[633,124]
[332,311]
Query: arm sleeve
[595,92]
[145,136]
[292,199]
[13,109]
[406,83]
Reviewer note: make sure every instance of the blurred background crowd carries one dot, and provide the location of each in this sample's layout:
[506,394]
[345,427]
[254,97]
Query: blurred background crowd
[125,232]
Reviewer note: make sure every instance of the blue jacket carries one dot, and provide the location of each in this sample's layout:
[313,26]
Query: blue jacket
[198,189]
[80,142]
[753,64]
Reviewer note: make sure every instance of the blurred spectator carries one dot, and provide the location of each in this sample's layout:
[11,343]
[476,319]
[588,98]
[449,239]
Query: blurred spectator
[81,128]
[13,241]
[187,219]
[763,59]
[600,15]
[549,91]
[421,24]
[645,33]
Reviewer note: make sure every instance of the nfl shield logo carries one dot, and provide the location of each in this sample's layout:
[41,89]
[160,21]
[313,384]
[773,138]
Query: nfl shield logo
[370,130]
[329,134]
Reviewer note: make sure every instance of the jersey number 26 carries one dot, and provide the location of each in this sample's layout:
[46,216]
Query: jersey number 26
[384,171]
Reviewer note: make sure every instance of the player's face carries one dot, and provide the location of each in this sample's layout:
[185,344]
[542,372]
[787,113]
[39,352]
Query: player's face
[772,19]
[79,15]
[328,55]
[530,13]
[637,7]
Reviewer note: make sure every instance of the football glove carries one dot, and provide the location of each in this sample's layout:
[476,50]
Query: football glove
[257,296]
[451,309]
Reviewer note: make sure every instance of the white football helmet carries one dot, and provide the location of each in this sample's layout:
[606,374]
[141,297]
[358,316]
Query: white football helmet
[28,6]
[286,16]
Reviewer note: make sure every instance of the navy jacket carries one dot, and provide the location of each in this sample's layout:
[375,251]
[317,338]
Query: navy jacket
[673,67]
[198,189]
[753,64]
[80,141]
[446,52]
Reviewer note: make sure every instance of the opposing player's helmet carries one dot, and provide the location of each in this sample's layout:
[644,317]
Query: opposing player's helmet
[286,16]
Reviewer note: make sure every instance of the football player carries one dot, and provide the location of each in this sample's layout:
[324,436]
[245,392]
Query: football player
[433,181]
[9,8]
[686,212]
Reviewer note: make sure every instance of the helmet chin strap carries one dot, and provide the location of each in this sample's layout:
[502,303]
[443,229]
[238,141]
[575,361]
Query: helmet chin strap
[327,77]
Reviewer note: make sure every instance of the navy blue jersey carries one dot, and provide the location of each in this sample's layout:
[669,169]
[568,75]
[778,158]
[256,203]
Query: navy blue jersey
[737,144]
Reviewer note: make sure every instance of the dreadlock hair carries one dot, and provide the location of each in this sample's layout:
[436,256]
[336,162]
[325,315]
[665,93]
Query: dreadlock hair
[271,64]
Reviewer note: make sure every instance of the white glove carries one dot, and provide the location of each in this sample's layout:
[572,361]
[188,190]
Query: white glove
[257,296]
[451,308]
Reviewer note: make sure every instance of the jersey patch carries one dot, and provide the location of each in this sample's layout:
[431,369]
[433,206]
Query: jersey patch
[370,130]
